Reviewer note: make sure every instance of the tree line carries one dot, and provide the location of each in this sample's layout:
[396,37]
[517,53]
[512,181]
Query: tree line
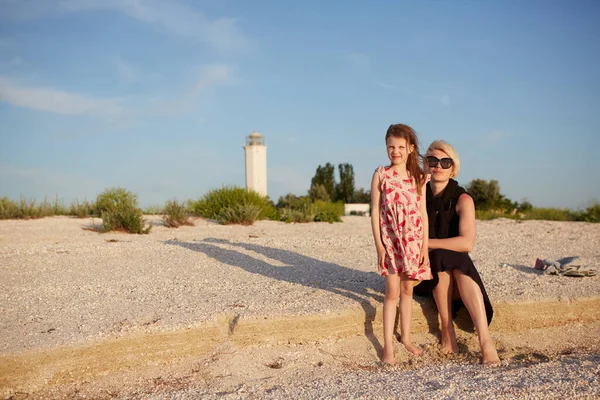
[324,186]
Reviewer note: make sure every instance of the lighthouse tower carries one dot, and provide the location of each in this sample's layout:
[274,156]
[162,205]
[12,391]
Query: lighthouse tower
[256,163]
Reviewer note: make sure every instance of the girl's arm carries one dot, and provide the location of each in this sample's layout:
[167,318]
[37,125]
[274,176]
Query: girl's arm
[464,242]
[375,222]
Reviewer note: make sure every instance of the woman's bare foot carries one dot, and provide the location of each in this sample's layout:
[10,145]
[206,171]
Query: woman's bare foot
[489,355]
[411,348]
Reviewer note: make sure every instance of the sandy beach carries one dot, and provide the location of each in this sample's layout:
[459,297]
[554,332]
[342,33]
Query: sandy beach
[279,310]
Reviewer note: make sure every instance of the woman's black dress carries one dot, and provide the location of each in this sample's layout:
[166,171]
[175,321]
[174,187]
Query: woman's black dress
[443,223]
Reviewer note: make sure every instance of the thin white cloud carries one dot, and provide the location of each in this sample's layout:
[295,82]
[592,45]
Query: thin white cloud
[223,33]
[68,103]
[208,76]
[56,100]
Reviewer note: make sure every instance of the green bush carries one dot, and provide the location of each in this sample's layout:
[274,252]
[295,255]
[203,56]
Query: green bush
[26,209]
[176,214]
[328,212]
[306,213]
[592,212]
[8,208]
[119,210]
[215,202]
[243,214]
[81,210]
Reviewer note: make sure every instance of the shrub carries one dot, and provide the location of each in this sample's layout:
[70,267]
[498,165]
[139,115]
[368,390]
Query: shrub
[306,213]
[8,208]
[45,209]
[215,202]
[592,213]
[243,214]
[26,209]
[176,214]
[59,207]
[119,210]
[81,210]
[328,212]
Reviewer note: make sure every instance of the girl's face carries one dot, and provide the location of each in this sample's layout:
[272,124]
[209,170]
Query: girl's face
[439,174]
[398,150]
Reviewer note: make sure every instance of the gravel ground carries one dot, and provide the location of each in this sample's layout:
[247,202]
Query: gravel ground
[566,377]
[62,284]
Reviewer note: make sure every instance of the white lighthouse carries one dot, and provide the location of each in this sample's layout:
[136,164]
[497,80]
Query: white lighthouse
[256,163]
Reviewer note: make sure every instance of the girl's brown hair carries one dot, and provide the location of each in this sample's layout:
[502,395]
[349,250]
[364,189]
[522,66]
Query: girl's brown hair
[412,164]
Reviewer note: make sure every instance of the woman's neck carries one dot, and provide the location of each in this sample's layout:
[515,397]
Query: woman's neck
[438,187]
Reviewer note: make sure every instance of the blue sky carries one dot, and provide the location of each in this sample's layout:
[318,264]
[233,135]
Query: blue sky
[157,96]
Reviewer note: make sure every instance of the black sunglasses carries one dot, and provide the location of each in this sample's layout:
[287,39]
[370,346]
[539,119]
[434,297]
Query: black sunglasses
[445,162]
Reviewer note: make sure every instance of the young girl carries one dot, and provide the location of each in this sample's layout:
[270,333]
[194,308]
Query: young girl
[400,229]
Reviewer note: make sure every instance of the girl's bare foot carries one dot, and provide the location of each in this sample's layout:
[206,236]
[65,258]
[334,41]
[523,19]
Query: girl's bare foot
[411,348]
[388,357]
[449,345]
[388,360]
[489,355]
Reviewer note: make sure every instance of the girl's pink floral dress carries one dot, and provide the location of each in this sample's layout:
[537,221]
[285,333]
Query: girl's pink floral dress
[401,225]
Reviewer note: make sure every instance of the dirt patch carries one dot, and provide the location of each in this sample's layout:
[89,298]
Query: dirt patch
[235,350]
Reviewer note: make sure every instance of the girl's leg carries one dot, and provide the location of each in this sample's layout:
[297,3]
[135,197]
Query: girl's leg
[473,300]
[442,293]
[390,303]
[406,300]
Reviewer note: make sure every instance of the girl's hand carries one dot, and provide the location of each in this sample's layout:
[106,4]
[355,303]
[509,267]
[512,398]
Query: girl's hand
[381,259]
[424,257]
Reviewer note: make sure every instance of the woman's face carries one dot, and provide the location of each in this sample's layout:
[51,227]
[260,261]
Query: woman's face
[438,174]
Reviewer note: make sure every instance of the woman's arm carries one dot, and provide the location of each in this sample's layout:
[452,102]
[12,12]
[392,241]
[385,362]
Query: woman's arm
[424,216]
[375,222]
[464,242]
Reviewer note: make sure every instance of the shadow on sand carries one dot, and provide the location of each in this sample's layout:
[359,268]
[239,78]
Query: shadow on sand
[362,287]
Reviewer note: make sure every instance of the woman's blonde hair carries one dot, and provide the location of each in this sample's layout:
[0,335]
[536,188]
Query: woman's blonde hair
[447,148]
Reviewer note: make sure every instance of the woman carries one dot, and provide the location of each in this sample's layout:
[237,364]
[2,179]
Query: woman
[451,213]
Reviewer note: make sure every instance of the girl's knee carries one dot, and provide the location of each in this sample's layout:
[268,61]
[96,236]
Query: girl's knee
[406,288]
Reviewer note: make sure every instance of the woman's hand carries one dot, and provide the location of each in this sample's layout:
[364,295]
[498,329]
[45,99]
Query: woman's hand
[381,259]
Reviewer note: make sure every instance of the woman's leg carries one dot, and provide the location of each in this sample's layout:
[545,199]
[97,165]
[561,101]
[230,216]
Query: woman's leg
[442,293]
[390,304]
[471,296]
[406,300]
